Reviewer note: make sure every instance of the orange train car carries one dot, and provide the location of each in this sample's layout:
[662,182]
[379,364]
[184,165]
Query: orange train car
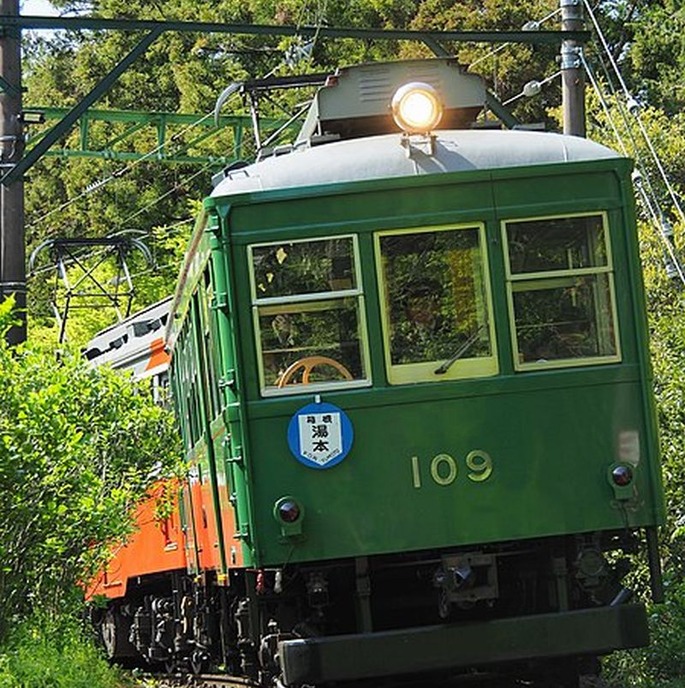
[148,574]
[160,549]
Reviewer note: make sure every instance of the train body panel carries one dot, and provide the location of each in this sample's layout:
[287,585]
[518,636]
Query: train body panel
[157,545]
[439,475]
[540,425]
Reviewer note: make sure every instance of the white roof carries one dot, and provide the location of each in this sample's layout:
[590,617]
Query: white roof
[382,157]
[131,343]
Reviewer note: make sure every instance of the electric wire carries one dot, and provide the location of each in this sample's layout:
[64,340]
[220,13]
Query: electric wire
[634,108]
[166,194]
[545,81]
[641,178]
[532,25]
[101,183]
[305,51]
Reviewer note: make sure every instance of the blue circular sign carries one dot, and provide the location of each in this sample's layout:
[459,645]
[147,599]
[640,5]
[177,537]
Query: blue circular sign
[320,435]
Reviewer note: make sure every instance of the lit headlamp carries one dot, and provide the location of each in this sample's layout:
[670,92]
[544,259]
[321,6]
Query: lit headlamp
[416,108]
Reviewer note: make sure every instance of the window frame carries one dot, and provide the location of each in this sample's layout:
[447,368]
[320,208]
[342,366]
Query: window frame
[551,279]
[284,304]
[424,371]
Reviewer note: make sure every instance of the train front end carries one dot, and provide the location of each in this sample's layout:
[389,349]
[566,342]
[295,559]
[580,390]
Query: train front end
[432,421]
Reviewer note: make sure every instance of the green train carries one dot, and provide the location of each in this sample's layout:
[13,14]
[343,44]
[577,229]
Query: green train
[411,368]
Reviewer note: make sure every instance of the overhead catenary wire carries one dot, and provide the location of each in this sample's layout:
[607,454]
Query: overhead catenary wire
[532,25]
[628,110]
[532,88]
[621,109]
[633,107]
[100,184]
[641,177]
[305,51]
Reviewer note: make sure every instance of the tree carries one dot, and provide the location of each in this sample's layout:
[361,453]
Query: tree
[77,447]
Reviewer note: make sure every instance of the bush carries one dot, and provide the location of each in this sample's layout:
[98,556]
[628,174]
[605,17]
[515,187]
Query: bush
[661,664]
[54,653]
[79,447]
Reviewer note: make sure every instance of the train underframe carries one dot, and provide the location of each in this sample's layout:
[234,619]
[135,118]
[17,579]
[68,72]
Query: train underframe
[542,609]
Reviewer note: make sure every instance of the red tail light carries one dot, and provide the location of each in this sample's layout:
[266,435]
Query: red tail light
[289,511]
[622,475]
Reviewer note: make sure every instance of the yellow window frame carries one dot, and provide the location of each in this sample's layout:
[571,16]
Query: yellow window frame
[550,279]
[425,371]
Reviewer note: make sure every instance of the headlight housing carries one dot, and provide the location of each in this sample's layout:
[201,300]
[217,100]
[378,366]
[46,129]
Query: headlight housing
[417,108]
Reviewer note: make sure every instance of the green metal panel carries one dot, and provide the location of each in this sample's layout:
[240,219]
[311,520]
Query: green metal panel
[406,484]
[234,443]
[418,475]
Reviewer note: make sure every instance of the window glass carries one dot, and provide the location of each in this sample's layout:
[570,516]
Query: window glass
[556,244]
[294,268]
[561,292]
[308,315]
[436,304]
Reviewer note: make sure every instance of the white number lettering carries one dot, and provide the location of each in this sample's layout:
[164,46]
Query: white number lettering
[444,469]
[440,460]
[480,463]
[415,472]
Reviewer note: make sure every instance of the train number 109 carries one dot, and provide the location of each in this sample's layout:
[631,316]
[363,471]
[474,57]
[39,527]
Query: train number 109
[443,469]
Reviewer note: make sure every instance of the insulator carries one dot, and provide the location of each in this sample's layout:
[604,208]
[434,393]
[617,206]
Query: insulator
[672,271]
[532,88]
[633,106]
[666,229]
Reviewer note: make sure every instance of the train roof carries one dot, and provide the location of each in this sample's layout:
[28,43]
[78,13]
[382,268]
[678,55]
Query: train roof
[384,156]
[136,343]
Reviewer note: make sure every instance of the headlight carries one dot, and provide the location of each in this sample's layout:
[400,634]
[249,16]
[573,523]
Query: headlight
[416,107]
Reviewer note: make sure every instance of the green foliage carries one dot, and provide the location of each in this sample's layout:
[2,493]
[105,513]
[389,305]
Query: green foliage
[54,653]
[659,665]
[657,54]
[185,73]
[7,317]
[77,445]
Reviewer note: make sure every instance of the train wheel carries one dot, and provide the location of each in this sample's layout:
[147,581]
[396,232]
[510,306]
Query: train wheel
[114,630]
[199,662]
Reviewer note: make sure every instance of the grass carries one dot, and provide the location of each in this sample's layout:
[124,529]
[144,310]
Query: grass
[55,653]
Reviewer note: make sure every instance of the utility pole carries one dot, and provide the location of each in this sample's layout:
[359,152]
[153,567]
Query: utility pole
[572,75]
[12,250]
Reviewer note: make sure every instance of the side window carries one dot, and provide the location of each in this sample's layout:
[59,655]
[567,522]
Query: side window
[308,315]
[561,292]
[182,381]
[209,342]
[435,301]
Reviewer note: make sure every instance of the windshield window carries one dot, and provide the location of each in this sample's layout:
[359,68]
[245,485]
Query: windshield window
[436,304]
